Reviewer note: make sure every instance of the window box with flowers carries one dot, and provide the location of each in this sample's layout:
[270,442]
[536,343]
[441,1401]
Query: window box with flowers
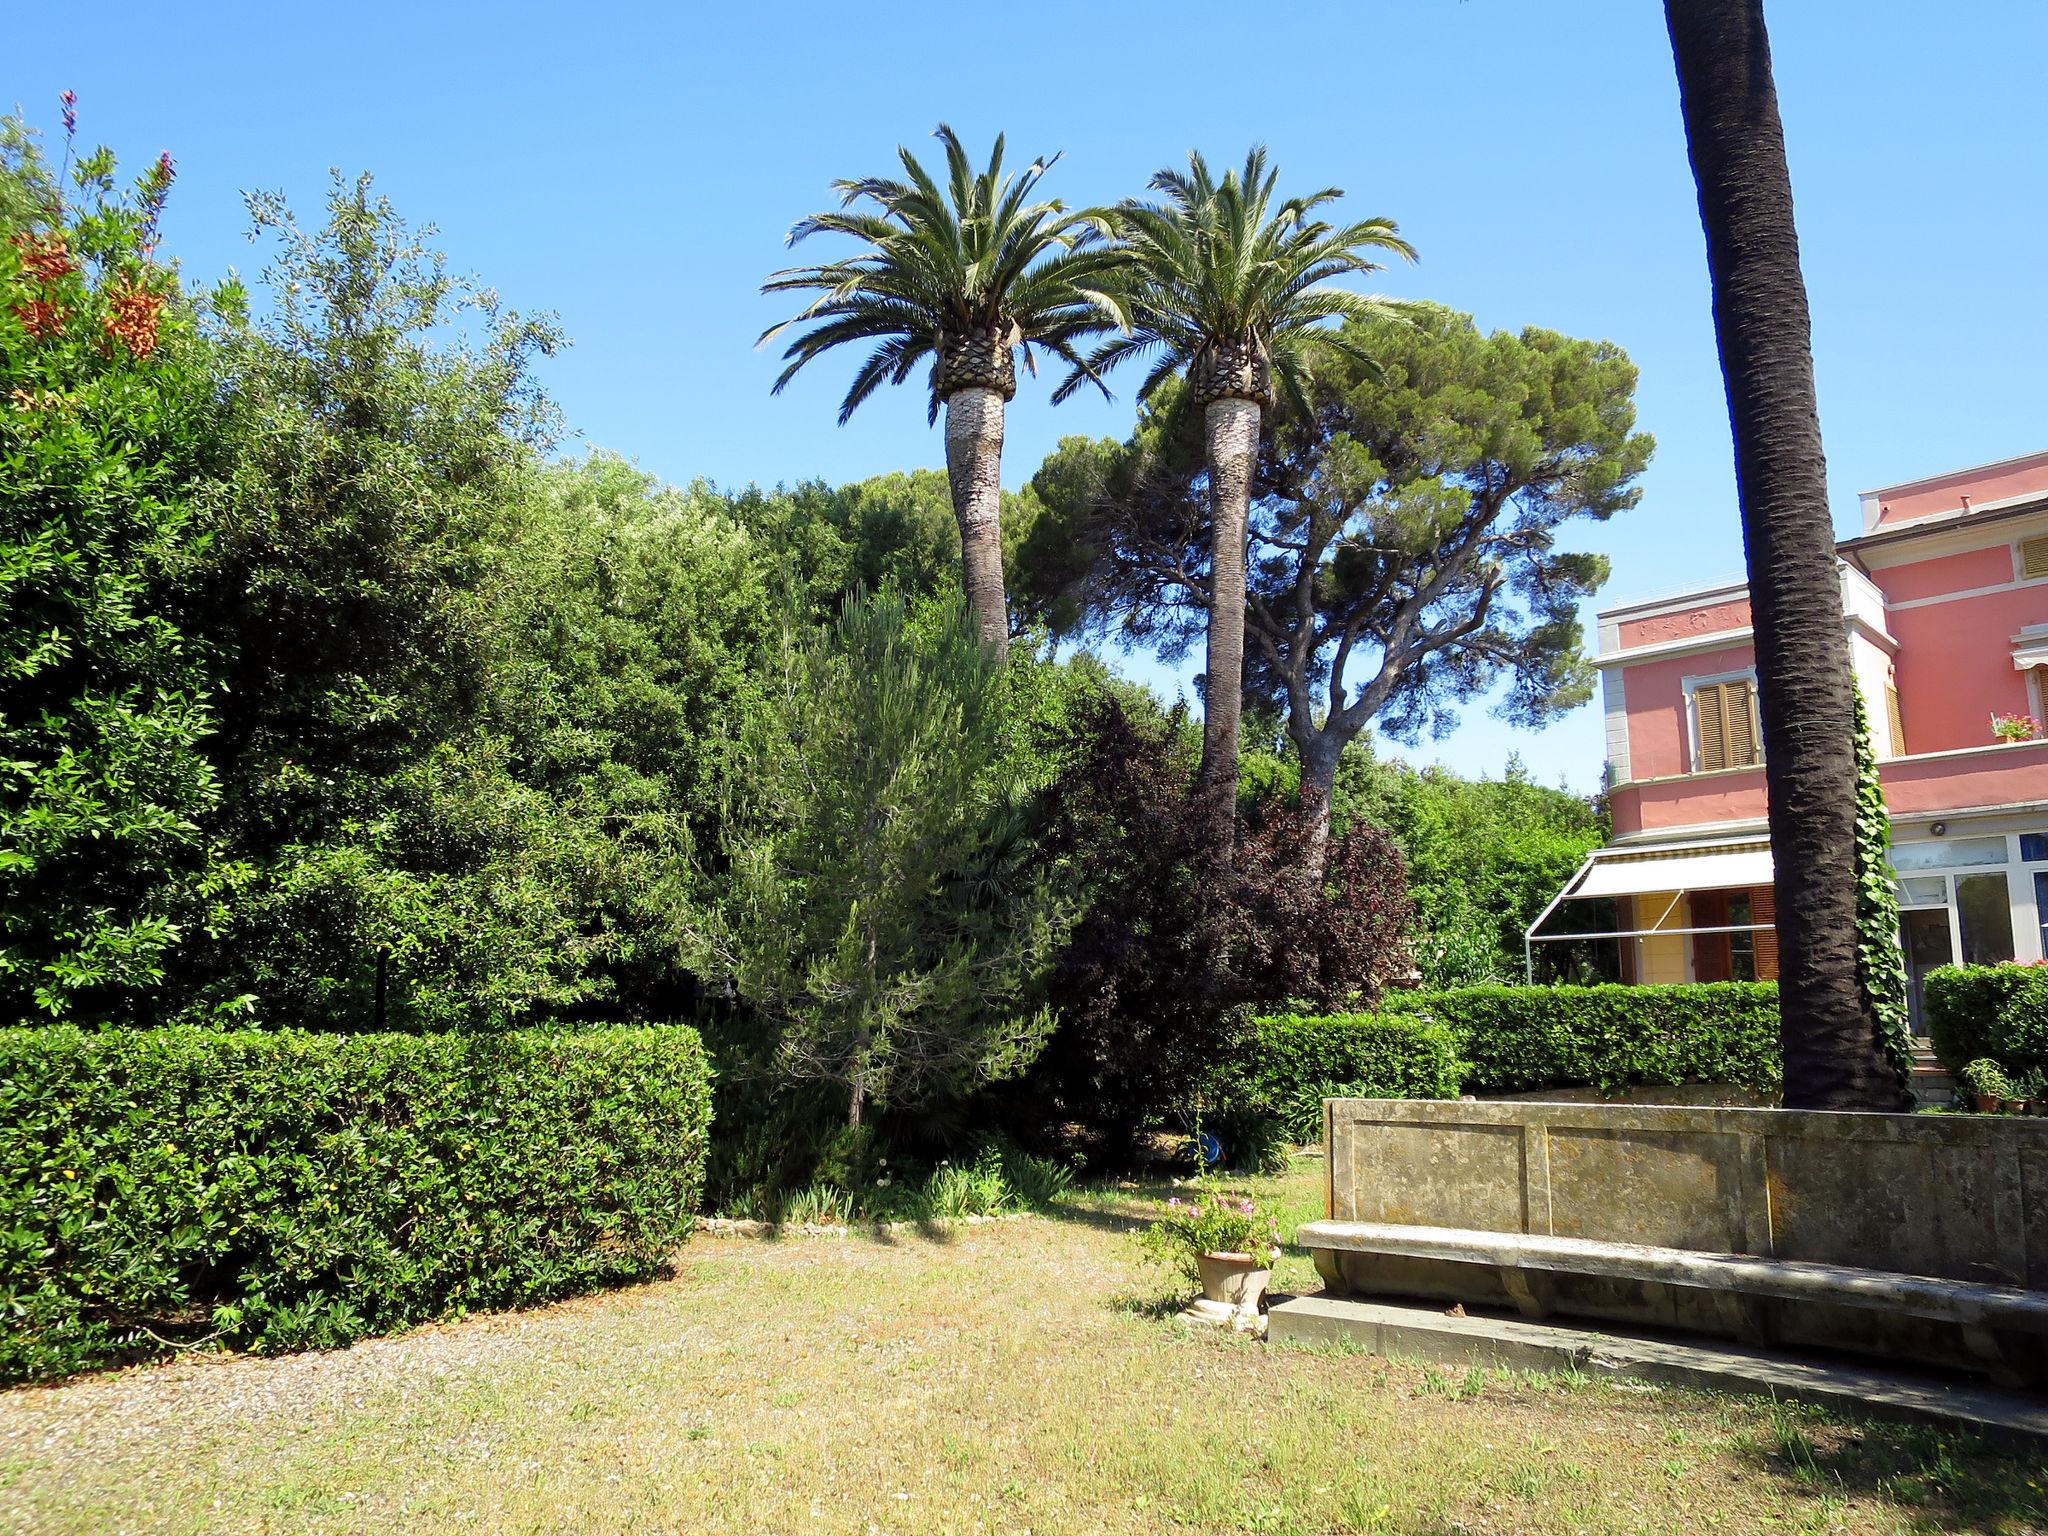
[1227,1246]
[2013,728]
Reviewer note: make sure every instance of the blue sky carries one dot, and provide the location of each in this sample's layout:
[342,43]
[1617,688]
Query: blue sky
[633,167]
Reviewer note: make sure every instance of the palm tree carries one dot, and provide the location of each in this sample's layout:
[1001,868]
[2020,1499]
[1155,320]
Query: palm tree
[965,275]
[1830,1030]
[1232,285]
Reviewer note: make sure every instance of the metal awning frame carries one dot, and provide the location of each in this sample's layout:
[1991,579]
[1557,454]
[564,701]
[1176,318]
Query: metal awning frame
[1531,938]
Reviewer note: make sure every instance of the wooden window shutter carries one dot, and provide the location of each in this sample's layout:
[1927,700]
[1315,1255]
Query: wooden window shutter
[1741,705]
[1895,720]
[1763,908]
[1713,743]
[2033,559]
[1725,714]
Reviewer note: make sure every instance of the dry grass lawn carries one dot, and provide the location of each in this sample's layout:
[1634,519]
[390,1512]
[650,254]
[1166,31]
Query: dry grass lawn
[1017,1376]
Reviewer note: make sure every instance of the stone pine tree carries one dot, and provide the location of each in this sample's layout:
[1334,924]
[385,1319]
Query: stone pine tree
[1231,284]
[882,918]
[1833,1037]
[1403,533]
[965,276]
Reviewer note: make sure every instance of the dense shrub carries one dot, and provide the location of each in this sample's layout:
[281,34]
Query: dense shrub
[104,705]
[1156,980]
[2020,1037]
[1297,1061]
[289,1190]
[1963,1006]
[1609,1037]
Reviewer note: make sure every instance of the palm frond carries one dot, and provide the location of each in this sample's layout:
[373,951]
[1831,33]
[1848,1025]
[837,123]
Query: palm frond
[974,252]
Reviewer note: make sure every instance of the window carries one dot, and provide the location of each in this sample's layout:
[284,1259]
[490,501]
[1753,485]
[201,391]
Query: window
[1984,914]
[1946,853]
[2033,559]
[2034,847]
[1741,946]
[1923,891]
[2041,907]
[1724,724]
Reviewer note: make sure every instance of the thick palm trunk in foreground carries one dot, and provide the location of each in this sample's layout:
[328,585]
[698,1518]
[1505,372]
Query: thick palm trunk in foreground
[974,471]
[1231,425]
[1833,1056]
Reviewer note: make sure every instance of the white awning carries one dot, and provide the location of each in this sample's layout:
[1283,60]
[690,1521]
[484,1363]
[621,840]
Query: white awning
[1678,869]
[2031,652]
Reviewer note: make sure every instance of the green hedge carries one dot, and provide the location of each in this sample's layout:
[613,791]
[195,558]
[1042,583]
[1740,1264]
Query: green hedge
[1963,1004]
[1610,1038]
[1299,1060]
[2021,1039]
[289,1190]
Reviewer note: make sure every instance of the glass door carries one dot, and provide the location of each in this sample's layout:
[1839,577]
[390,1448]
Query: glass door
[1926,937]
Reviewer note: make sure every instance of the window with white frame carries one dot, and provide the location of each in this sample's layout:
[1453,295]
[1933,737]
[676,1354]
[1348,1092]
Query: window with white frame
[1992,891]
[1721,717]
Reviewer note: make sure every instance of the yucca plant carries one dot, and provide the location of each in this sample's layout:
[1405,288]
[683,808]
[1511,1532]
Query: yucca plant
[1231,284]
[964,275]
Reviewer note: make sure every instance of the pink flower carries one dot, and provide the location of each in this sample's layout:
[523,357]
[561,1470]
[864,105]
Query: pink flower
[70,112]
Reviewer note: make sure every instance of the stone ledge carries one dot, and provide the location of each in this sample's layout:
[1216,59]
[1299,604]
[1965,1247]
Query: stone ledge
[1430,1335]
[1785,1279]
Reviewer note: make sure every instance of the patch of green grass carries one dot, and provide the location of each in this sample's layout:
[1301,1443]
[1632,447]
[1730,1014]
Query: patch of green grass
[1010,1375]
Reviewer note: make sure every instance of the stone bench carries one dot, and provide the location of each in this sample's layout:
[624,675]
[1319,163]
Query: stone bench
[1921,1238]
[1718,1293]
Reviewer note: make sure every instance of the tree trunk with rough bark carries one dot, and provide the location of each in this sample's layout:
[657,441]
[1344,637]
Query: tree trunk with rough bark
[1319,754]
[1231,426]
[1833,1055]
[974,472]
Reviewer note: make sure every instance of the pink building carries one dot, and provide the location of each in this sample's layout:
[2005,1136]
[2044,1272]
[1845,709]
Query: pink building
[1945,601]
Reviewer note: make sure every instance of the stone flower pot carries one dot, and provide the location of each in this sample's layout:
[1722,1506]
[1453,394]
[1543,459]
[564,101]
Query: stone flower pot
[1233,1285]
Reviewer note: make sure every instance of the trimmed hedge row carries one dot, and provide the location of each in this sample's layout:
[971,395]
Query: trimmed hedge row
[1963,1005]
[1433,1045]
[286,1190]
[1608,1037]
[1299,1060]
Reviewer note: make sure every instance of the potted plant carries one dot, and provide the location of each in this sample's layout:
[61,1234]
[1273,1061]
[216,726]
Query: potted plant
[1988,1086]
[2015,727]
[2033,1093]
[1227,1246]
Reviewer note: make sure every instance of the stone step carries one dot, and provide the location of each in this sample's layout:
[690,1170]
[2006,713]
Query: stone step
[1417,1331]
[1933,1085]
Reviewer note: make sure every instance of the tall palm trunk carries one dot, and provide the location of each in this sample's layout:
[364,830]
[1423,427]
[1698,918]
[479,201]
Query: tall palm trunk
[974,471]
[1833,1058]
[1231,426]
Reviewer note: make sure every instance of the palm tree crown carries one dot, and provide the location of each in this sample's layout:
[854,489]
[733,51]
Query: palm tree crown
[962,274]
[1227,282]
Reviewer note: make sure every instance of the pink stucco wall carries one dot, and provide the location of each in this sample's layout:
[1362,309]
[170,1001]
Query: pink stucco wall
[1703,800]
[1950,573]
[2021,477]
[1655,692]
[1709,620]
[1994,775]
[1955,669]
[1991,776]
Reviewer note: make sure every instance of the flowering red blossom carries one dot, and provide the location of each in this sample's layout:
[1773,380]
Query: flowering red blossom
[70,112]
[44,257]
[40,317]
[131,318]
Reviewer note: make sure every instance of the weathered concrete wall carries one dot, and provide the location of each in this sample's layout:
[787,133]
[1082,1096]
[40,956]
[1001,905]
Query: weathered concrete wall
[1960,1197]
